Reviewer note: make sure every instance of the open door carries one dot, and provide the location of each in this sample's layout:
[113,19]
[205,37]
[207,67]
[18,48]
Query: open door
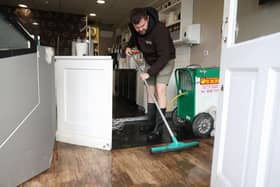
[246,147]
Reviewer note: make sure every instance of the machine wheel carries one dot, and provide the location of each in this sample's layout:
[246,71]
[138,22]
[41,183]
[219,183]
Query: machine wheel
[203,125]
[177,121]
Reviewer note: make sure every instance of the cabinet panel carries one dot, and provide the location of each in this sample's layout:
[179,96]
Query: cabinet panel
[84,100]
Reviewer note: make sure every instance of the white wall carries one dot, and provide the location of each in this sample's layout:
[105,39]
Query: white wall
[257,20]
[209,14]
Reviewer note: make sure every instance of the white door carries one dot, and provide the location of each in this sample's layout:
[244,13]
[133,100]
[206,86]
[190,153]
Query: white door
[247,140]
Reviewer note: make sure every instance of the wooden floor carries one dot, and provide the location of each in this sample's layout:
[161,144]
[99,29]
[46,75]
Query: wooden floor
[80,166]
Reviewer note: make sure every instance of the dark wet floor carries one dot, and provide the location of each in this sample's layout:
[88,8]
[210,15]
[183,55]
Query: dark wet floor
[128,134]
[123,107]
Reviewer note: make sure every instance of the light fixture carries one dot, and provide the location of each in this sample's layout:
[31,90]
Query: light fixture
[100,1]
[35,23]
[92,14]
[22,5]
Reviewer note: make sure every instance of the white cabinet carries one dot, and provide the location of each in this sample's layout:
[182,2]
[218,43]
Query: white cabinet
[84,100]
[192,34]
[177,16]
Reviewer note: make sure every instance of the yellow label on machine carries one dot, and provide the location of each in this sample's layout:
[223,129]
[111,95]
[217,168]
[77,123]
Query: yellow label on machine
[209,80]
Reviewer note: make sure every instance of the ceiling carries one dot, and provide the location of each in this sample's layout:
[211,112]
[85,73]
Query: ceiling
[112,12]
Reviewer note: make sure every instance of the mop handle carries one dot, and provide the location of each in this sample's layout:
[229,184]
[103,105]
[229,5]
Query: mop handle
[153,97]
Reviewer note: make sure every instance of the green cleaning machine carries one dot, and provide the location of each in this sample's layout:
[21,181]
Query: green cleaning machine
[198,89]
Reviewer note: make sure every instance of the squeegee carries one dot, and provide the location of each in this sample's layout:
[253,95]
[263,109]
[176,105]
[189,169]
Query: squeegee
[175,145]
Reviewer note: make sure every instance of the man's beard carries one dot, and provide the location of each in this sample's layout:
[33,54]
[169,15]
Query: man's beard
[143,32]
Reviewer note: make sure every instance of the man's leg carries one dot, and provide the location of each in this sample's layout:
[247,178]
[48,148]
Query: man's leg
[161,94]
[161,99]
[161,82]
[151,110]
[152,92]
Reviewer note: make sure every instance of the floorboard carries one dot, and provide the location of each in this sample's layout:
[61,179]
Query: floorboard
[79,166]
[137,167]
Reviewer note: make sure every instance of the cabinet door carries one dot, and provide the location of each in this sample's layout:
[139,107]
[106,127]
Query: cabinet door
[84,101]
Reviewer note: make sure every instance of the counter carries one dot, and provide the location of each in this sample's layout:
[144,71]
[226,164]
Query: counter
[84,100]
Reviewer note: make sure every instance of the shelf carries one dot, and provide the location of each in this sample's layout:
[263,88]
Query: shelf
[178,42]
[181,42]
[124,43]
[172,7]
[175,22]
[184,42]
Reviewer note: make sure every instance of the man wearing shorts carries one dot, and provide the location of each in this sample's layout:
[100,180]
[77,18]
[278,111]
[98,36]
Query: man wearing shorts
[153,39]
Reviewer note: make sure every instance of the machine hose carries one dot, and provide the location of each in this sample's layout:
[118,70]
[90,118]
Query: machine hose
[171,102]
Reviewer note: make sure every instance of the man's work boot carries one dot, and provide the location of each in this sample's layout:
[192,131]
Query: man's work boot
[157,132]
[151,119]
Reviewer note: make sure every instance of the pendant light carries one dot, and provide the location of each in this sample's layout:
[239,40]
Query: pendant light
[100,1]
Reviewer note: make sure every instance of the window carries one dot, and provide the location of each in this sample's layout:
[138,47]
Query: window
[185,80]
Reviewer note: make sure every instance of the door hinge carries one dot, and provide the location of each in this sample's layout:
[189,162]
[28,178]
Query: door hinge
[225,39]
[225,22]
[222,87]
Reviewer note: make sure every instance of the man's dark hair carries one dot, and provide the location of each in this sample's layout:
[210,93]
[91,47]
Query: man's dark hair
[137,14]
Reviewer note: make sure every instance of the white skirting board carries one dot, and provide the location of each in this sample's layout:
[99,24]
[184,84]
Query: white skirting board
[83,140]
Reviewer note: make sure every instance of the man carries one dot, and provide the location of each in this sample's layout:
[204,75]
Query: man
[153,39]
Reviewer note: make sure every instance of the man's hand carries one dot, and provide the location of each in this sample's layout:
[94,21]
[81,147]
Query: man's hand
[128,51]
[144,76]
[131,51]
